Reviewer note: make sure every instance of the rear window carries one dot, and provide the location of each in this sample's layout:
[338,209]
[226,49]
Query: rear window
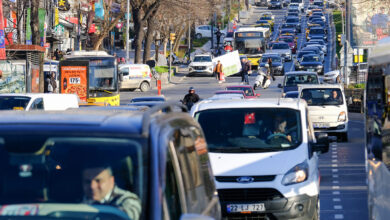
[202,59]
[247,91]
[14,102]
[280,46]
[317,31]
[295,79]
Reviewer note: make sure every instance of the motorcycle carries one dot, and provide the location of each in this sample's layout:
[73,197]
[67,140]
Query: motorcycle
[263,79]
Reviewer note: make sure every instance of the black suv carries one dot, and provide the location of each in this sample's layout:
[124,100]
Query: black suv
[105,165]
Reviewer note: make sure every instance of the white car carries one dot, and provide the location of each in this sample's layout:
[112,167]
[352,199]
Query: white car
[264,156]
[203,31]
[201,64]
[38,101]
[327,108]
[332,77]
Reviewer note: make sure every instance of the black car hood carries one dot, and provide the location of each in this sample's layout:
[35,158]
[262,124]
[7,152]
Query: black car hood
[310,63]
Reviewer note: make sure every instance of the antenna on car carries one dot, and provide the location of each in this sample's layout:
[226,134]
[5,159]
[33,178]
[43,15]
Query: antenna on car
[167,107]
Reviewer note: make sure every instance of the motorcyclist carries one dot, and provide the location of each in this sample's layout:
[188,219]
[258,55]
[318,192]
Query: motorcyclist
[191,98]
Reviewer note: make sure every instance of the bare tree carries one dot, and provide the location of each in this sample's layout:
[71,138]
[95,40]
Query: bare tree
[109,21]
[36,40]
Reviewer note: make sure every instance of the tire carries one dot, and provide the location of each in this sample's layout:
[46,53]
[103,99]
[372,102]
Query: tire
[344,137]
[144,87]
[198,36]
[316,214]
[131,90]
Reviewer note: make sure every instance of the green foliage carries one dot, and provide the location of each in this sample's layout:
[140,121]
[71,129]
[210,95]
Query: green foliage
[199,42]
[161,69]
[339,28]
[357,86]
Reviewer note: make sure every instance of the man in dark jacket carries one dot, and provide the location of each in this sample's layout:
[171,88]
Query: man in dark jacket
[246,66]
[191,98]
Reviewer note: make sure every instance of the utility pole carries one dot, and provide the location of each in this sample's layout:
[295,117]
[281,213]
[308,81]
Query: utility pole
[128,32]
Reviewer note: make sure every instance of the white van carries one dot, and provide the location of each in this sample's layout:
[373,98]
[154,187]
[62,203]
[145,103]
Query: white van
[327,108]
[38,101]
[135,76]
[264,157]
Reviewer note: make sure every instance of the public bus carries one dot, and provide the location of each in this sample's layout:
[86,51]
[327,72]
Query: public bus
[252,42]
[377,121]
[92,75]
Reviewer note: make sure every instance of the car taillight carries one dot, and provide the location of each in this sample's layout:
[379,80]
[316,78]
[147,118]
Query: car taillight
[150,74]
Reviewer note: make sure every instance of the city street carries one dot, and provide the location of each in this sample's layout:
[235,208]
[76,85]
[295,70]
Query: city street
[343,179]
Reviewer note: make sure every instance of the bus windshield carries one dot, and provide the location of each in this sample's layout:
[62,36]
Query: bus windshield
[102,74]
[249,46]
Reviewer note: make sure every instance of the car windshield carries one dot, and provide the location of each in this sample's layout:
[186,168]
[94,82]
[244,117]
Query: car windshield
[287,31]
[310,59]
[148,99]
[320,97]
[317,31]
[249,46]
[58,169]
[291,95]
[14,102]
[301,53]
[288,26]
[318,3]
[274,59]
[280,46]
[251,129]
[295,79]
[202,59]
[287,40]
[317,42]
[247,90]
[266,18]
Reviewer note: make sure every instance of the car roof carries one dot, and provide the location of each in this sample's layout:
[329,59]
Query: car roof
[271,55]
[250,103]
[149,98]
[229,92]
[239,86]
[320,86]
[300,73]
[108,121]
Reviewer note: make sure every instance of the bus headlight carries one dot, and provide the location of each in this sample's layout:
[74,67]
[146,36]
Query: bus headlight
[342,117]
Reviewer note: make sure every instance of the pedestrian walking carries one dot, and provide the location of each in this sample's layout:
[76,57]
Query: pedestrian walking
[57,54]
[218,71]
[270,69]
[51,83]
[244,73]
[218,34]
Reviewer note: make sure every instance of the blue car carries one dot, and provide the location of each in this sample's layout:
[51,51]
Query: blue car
[293,79]
[105,165]
[317,32]
[311,63]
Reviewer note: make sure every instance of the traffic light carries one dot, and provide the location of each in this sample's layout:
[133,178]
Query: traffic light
[339,38]
[172,37]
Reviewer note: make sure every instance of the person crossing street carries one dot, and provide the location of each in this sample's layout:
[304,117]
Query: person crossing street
[218,71]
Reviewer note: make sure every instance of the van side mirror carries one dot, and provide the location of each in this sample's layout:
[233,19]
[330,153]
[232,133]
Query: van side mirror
[195,217]
[279,86]
[121,77]
[322,144]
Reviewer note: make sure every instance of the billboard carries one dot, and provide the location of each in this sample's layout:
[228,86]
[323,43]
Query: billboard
[74,80]
[370,22]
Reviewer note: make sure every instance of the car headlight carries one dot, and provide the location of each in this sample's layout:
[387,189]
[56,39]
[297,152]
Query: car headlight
[342,116]
[279,67]
[297,174]
[319,67]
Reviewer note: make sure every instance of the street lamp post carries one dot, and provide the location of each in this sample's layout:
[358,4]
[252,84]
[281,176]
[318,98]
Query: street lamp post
[127,32]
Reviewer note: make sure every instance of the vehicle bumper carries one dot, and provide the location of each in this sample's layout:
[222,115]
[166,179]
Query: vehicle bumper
[332,128]
[286,57]
[330,79]
[296,207]
[318,71]
[277,71]
[201,71]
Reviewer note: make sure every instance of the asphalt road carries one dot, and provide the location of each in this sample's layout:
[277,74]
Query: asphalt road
[343,180]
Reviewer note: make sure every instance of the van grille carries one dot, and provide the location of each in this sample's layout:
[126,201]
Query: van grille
[250,195]
[233,179]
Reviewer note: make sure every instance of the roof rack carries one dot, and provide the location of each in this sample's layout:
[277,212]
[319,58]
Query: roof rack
[168,107]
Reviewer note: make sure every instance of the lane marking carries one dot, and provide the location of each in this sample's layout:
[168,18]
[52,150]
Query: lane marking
[334,156]
[334,161]
[336,200]
[335,182]
[338,216]
[336,192]
[335,187]
[335,170]
[338,207]
[335,176]
[335,165]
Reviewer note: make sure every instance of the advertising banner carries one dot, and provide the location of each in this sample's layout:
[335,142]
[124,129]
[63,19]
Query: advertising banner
[74,81]
[2,35]
[28,27]
[42,31]
[34,78]
[370,22]
[231,63]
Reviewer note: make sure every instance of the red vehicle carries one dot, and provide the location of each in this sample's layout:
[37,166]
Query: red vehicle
[249,93]
[291,42]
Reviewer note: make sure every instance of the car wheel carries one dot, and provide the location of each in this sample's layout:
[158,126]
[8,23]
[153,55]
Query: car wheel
[144,87]
[283,72]
[198,36]
[316,214]
[131,90]
[343,137]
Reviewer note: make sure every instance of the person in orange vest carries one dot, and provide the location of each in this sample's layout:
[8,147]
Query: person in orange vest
[218,71]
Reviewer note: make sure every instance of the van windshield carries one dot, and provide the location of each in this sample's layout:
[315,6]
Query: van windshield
[14,102]
[250,129]
[295,79]
[320,97]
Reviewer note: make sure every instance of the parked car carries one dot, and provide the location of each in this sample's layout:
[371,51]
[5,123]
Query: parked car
[135,76]
[264,156]
[38,101]
[55,169]
[201,64]
[293,79]
[327,108]
[204,31]
[247,89]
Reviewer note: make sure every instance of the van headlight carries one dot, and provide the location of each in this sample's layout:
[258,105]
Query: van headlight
[297,174]
[342,116]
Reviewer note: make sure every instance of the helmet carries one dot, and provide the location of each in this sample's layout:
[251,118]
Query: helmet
[191,88]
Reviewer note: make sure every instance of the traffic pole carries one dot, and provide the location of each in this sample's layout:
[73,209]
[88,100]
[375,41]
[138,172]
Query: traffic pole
[158,87]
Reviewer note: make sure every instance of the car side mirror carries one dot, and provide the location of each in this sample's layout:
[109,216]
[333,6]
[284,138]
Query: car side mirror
[279,86]
[322,144]
[195,217]
[120,77]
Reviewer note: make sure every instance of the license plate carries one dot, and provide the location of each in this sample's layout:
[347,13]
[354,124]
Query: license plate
[238,208]
[320,125]
[310,70]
